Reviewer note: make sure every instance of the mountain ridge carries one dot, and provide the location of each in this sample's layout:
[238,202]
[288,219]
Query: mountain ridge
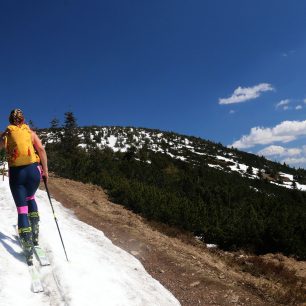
[192,149]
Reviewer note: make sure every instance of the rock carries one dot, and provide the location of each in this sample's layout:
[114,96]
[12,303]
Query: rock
[234,299]
[222,276]
[134,253]
[194,284]
[161,271]
[95,202]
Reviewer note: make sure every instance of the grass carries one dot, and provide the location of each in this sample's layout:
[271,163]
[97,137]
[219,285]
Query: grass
[285,287]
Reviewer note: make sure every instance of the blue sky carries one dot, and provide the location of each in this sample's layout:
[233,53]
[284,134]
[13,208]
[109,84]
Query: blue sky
[228,71]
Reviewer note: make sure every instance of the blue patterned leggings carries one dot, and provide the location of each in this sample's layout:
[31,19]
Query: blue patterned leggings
[24,182]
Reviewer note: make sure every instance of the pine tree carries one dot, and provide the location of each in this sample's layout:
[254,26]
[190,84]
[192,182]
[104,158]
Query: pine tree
[260,173]
[32,125]
[55,130]
[54,124]
[70,121]
[70,139]
[68,147]
[249,170]
[2,155]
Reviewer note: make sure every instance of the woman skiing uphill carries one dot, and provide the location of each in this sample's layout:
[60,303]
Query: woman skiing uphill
[20,143]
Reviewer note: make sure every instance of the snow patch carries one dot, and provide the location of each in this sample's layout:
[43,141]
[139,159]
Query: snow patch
[98,273]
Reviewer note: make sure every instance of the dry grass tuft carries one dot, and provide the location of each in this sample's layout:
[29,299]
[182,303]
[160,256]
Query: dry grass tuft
[285,286]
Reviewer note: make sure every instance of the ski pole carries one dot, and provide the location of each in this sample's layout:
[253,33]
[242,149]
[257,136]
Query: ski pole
[3,171]
[45,181]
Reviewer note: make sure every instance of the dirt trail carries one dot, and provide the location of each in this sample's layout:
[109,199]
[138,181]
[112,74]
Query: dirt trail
[194,274]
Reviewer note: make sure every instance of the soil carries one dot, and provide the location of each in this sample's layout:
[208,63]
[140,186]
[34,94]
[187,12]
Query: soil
[195,274]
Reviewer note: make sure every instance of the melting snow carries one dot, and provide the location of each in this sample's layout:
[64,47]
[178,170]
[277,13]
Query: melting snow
[99,273]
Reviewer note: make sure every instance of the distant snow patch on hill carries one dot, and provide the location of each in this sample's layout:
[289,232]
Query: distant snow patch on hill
[187,149]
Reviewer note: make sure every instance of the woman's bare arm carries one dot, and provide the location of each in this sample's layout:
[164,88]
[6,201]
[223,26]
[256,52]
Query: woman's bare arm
[41,152]
[3,135]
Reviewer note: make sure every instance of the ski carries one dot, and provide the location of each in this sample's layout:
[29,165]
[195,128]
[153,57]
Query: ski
[36,284]
[41,256]
[35,276]
[35,279]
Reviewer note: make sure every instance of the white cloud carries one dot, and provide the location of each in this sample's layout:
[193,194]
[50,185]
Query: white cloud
[288,53]
[271,151]
[284,132]
[280,151]
[282,103]
[293,152]
[232,112]
[295,161]
[291,156]
[242,94]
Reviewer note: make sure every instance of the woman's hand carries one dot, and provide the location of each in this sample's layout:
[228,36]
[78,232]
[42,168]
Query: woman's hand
[45,176]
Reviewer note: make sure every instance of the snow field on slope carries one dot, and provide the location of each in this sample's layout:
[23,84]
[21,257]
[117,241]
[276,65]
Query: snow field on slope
[98,272]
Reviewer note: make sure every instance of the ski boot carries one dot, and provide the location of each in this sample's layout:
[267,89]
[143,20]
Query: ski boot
[25,236]
[34,221]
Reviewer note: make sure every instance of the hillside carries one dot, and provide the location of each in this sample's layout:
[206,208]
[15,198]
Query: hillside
[195,274]
[190,149]
[223,196]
